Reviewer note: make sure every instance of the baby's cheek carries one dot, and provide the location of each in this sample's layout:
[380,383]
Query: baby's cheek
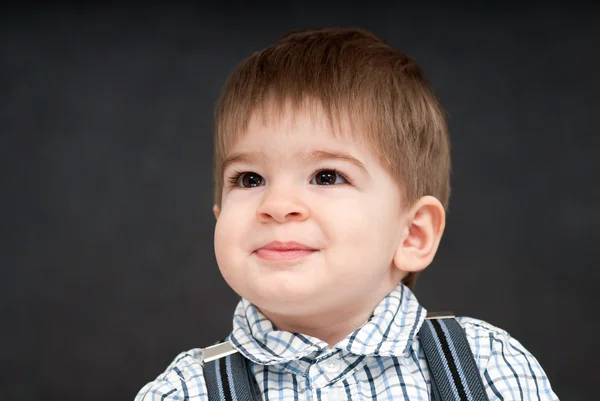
[355,231]
[361,243]
[352,246]
[224,241]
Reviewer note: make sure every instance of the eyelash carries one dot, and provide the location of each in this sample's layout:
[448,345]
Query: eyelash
[344,176]
[233,179]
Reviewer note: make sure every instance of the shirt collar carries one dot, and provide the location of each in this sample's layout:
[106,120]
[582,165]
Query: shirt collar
[389,331]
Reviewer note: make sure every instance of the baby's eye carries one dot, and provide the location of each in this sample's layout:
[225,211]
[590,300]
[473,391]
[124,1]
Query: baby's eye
[248,180]
[328,177]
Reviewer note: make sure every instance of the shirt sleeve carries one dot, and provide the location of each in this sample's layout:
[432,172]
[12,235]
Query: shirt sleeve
[508,370]
[182,380]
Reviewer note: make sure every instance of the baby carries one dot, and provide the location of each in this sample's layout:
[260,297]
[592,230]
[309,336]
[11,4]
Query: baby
[331,183]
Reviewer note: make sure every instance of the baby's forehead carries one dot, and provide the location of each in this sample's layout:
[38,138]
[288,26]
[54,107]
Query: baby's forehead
[304,133]
[306,119]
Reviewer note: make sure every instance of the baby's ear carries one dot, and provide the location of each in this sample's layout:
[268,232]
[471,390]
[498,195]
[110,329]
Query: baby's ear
[216,211]
[425,223]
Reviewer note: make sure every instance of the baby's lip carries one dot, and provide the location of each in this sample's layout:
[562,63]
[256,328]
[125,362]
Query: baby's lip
[284,252]
[286,246]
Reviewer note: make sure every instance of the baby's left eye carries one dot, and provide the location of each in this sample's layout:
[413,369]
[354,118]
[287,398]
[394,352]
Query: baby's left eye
[328,177]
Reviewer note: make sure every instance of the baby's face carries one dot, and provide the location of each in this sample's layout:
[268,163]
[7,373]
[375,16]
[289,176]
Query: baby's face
[309,221]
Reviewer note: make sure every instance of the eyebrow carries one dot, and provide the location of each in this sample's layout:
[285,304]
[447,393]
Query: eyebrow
[321,155]
[315,156]
[246,157]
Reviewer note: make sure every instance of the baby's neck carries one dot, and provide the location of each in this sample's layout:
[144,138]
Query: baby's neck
[331,329]
[335,324]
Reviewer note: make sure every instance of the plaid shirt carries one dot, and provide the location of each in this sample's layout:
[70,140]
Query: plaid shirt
[382,360]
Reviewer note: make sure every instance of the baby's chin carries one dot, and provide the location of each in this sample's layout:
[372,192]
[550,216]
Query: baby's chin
[281,296]
[278,282]
[290,311]
[289,299]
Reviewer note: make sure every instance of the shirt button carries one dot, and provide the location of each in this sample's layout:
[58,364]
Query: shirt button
[332,365]
[336,394]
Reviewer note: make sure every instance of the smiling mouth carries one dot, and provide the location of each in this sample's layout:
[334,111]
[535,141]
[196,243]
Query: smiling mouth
[280,251]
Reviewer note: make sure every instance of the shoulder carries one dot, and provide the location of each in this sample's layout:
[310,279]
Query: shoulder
[483,338]
[183,379]
[508,369]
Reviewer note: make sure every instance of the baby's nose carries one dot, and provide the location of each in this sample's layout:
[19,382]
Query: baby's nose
[282,206]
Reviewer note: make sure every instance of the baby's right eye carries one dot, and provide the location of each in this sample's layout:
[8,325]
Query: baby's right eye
[247,179]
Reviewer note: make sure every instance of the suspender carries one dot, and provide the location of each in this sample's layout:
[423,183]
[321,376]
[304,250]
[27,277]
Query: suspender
[454,374]
[229,379]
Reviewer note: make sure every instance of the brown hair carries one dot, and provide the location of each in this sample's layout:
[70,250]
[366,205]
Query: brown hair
[353,74]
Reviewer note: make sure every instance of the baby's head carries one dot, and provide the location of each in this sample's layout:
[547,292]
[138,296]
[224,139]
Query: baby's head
[331,173]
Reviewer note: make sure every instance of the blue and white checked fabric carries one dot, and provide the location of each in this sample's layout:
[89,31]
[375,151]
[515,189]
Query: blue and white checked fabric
[382,360]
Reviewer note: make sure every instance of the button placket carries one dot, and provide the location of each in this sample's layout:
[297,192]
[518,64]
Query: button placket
[333,365]
[336,394]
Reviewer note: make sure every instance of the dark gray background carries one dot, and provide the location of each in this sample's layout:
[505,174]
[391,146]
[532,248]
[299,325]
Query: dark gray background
[105,120]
